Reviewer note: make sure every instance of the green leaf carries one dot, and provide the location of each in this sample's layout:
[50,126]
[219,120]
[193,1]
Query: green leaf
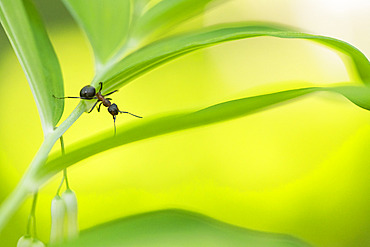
[359,96]
[32,46]
[106,24]
[178,228]
[155,126]
[155,54]
[166,14]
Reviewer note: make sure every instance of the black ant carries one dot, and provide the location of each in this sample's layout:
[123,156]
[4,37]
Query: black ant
[89,93]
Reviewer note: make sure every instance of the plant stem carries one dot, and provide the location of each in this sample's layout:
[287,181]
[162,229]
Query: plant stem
[65,169]
[34,214]
[11,204]
[32,218]
[28,183]
[60,186]
[65,178]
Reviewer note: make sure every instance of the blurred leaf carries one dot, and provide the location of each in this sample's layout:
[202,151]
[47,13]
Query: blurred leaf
[155,126]
[106,24]
[160,52]
[177,228]
[32,46]
[166,14]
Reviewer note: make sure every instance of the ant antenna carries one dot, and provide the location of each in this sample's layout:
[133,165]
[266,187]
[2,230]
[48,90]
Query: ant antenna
[130,114]
[73,97]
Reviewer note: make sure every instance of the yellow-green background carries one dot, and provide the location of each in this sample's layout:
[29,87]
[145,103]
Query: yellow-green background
[300,169]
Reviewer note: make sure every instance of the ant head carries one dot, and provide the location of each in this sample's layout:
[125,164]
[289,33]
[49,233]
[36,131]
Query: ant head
[87,92]
[113,109]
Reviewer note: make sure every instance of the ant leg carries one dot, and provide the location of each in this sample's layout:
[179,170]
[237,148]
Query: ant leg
[74,98]
[130,114]
[110,93]
[99,106]
[93,106]
[114,123]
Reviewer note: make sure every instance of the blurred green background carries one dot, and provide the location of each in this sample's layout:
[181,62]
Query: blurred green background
[300,169]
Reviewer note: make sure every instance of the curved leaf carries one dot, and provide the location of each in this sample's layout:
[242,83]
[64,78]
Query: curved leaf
[151,127]
[32,46]
[178,228]
[359,96]
[168,49]
[106,24]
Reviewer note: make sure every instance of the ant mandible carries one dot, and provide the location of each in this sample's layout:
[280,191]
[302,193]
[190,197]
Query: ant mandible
[89,93]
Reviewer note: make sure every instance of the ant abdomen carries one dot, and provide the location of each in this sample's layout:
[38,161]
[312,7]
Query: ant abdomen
[88,92]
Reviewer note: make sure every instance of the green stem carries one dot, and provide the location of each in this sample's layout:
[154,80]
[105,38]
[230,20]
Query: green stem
[62,145]
[60,186]
[65,169]
[65,178]
[32,218]
[28,183]
[11,204]
[34,214]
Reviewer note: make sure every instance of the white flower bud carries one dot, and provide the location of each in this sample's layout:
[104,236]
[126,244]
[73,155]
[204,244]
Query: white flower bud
[24,241]
[37,243]
[70,202]
[57,220]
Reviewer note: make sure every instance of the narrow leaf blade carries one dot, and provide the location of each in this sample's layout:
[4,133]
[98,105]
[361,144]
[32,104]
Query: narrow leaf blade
[178,228]
[32,46]
[160,52]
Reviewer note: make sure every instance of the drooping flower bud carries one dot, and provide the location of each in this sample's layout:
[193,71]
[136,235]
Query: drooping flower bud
[57,220]
[37,243]
[70,201]
[24,241]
